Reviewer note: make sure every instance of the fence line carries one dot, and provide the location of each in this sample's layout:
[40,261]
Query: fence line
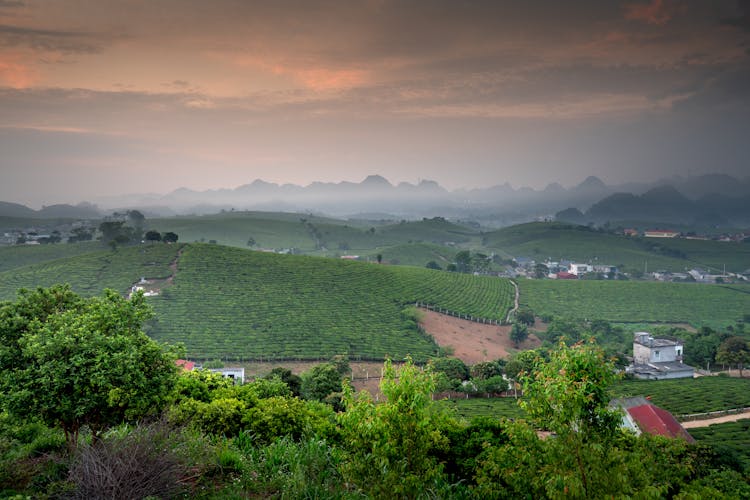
[459,315]
[711,414]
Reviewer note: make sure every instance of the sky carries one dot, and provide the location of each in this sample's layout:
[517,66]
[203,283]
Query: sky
[101,98]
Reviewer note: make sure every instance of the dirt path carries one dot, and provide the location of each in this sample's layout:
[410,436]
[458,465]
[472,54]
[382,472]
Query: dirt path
[716,420]
[513,311]
[472,342]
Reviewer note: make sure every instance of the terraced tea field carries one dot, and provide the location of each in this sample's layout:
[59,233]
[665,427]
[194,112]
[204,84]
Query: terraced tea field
[235,304]
[636,302]
[692,395]
[485,407]
[15,256]
[734,436]
[90,273]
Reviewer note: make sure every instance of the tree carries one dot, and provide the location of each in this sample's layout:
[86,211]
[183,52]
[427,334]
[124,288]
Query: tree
[485,370]
[463,261]
[569,395]
[251,241]
[433,265]
[380,258]
[294,382]
[391,447]
[170,237]
[734,351]
[454,369]
[153,235]
[525,316]
[321,381]
[74,362]
[540,271]
[136,218]
[518,333]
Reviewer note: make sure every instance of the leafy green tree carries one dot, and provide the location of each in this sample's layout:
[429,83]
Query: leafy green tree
[734,351]
[294,382]
[153,235]
[525,316]
[485,370]
[74,362]
[454,369]
[433,265]
[540,271]
[170,237]
[569,395]
[391,447]
[518,333]
[321,381]
[463,261]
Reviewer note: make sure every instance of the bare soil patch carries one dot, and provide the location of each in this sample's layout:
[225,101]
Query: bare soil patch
[472,342]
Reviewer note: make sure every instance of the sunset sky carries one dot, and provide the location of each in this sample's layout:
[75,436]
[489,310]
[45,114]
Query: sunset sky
[107,97]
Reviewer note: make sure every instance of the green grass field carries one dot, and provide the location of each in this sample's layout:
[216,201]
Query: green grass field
[235,304]
[637,302]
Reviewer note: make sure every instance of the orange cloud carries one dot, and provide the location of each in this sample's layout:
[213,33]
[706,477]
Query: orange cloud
[658,12]
[14,73]
[318,79]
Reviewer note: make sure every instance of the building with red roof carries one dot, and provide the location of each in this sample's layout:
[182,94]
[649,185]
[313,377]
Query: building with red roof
[640,415]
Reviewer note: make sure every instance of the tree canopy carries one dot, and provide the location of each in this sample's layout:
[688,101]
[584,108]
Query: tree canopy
[74,362]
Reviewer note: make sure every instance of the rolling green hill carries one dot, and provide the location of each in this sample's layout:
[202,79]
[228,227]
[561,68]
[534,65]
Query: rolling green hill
[309,234]
[231,303]
[14,256]
[542,240]
[238,304]
[637,301]
[90,273]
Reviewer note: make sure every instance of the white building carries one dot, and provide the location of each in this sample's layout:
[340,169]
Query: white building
[655,358]
[579,269]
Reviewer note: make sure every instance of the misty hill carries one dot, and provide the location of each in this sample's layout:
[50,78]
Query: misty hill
[665,204]
[306,233]
[61,211]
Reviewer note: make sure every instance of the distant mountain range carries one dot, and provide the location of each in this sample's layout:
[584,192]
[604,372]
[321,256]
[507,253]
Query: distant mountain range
[719,201]
[713,198]
[63,211]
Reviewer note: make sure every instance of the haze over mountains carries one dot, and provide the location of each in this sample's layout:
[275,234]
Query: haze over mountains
[714,199]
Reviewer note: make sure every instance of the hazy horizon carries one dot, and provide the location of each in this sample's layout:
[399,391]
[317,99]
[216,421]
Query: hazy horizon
[109,98]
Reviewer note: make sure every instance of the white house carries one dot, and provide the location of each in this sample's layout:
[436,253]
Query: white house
[655,358]
[579,269]
[236,374]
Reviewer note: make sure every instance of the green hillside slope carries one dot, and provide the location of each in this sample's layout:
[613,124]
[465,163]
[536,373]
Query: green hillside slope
[634,301]
[12,257]
[89,274]
[238,304]
[235,304]
[542,240]
[310,234]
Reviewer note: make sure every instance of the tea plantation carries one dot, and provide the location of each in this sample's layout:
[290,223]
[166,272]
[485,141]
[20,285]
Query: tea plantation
[734,436]
[633,301]
[235,304]
[90,273]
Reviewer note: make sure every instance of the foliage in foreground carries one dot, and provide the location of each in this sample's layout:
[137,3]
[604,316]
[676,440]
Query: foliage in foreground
[220,440]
